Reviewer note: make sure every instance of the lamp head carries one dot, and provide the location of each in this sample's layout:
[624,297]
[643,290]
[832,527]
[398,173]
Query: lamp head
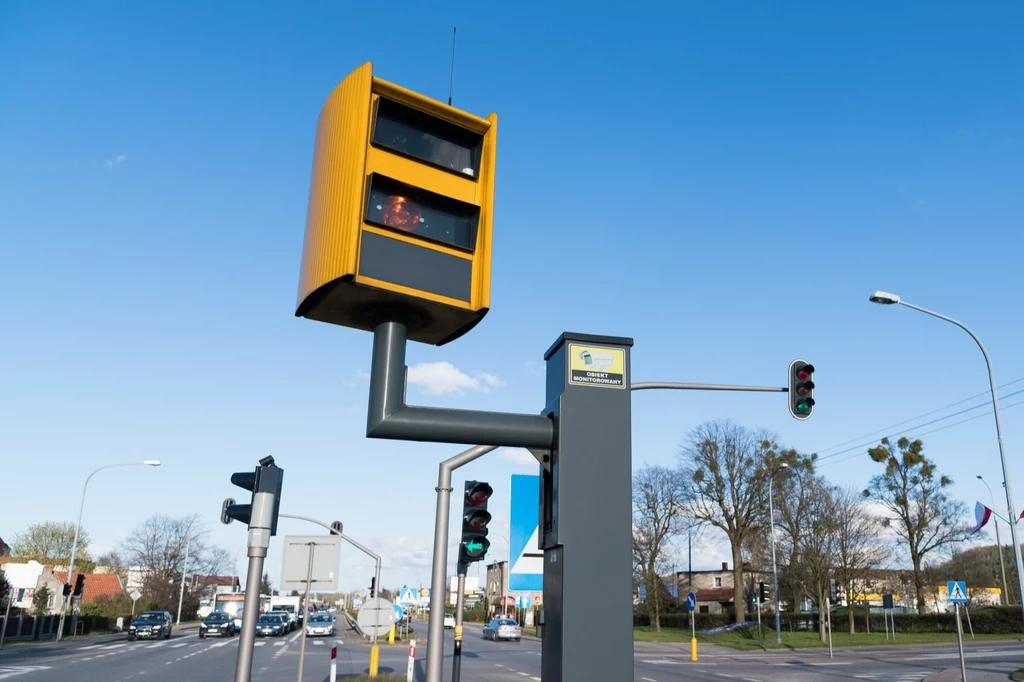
[979,477]
[784,465]
[152,462]
[884,298]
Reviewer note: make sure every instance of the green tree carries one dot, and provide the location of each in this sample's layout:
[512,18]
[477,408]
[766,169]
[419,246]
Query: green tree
[919,511]
[41,601]
[50,543]
[265,586]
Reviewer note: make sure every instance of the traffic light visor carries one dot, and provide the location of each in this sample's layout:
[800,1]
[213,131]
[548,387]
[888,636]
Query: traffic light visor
[479,494]
[245,479]
[417,211]
[410,132]
[805,405]
[805,372]
[478,520]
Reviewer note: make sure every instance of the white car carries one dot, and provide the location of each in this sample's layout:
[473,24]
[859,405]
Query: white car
[449,621]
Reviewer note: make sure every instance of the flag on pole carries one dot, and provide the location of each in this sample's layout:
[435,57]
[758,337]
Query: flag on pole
[982,514]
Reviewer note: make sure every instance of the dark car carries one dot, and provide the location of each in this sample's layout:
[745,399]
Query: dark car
[273,626]
[217,623]
[151,624]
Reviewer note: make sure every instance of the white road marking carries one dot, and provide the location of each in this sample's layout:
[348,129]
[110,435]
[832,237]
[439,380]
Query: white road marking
[648,679]
[91,646]
[317,643]
[14,670]
[178,646]
[279,643]
[114,646]
[153,646]
[260,644]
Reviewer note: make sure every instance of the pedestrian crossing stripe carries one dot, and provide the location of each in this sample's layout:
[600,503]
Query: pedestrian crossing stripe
[957,591]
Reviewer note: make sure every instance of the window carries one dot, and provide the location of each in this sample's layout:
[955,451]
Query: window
[440,143]
[718,582]
[432,216]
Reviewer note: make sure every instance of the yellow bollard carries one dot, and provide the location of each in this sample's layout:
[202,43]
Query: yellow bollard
[391,634]
[374,659]
[693,649]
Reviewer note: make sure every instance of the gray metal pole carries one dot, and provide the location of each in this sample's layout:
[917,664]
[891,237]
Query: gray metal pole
[250,613]
[775,568]
[460,600]
[1010,506]
[305,609]
[389,417]
[999,544]
[7,619]
[439,567]
[960,644]
[181,593]
[681,386]
[376,587]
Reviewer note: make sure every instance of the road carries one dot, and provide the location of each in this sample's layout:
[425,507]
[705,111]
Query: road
[186,657]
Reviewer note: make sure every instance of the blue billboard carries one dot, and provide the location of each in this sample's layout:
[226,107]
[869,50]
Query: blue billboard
[526,560]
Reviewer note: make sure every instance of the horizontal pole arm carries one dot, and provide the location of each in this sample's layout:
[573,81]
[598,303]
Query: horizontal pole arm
[332,531]
[644,385]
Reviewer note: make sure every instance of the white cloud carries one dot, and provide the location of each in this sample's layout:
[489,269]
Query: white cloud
[358,377]
[444,378]
[115,162]
[535,368]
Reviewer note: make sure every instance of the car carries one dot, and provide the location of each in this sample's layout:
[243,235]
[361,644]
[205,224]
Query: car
[503,628]
[449,621]
[217,623]
[151,624]
[273,626]
[290,624]
[320,623]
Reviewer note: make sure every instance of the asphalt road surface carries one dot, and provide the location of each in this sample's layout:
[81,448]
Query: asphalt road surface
[186,657]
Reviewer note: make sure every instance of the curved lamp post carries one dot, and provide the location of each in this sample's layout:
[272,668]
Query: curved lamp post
[78,529]
[885,298]
[775,569]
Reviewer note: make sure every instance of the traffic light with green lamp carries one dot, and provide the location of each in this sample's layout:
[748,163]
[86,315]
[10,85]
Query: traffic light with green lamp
[475,518]
[801,389]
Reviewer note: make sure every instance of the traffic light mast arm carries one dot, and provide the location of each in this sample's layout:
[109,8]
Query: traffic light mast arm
[389,417]
[642,385]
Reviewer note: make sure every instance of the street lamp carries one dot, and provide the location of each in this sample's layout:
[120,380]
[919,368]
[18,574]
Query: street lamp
[775,568]
[999,543]
[78,529]
[885,298]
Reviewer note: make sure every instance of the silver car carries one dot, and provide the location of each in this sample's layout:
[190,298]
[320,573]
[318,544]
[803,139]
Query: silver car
[503,628]
[320,623]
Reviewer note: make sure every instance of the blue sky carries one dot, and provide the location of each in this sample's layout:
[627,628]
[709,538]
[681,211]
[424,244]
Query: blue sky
[724,183]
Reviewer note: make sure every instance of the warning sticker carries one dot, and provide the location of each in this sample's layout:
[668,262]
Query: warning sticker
[597,366]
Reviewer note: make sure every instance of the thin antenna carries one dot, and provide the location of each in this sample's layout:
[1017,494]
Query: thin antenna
[451,74]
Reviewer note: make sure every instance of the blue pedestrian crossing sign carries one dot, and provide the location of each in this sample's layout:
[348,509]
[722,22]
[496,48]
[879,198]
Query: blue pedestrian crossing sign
[957,591]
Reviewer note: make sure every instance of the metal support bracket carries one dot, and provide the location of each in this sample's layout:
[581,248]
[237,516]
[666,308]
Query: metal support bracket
[389,417]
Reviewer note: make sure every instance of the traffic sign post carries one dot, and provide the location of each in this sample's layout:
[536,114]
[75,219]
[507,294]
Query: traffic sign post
[691,605]
[956,590]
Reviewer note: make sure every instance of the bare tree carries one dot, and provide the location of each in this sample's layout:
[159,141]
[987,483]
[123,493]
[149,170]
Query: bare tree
[725,468]
[792,501]
[157,549]
[920,512]
[659,515]
[817,544]
[859,548]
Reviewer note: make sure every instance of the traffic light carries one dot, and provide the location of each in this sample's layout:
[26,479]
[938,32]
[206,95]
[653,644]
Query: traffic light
[5,589]
[266,479]
[373,587]
[400,212]
[79,585]
[762,592]
[475,518]
[801,389]
[835,591]
[67,589]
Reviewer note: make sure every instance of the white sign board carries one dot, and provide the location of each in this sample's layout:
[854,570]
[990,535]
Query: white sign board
[326,558]
[135,594]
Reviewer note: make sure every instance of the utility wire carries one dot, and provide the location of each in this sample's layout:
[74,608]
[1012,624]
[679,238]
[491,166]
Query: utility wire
[919,435]
[918,426]
[920,416]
